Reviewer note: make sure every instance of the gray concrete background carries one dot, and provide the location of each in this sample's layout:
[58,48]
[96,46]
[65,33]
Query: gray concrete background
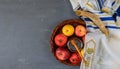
[25,29]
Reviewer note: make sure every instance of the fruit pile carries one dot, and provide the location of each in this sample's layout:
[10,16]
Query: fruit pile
[61,38]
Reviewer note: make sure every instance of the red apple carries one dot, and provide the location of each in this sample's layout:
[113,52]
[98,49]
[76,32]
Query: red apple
[60,40]
[62,53]
[80,30]
[75,58]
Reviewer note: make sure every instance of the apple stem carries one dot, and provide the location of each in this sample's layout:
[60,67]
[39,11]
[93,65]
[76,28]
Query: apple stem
[67,30]
[73,60]
[79,30]
[60,40]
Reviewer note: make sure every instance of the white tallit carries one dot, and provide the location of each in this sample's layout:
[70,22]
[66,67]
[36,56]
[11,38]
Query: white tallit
[106,50]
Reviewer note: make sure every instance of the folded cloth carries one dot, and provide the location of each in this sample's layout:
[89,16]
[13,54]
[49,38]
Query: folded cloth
[101,52]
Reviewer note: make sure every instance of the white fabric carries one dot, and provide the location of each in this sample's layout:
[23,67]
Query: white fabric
[106,53]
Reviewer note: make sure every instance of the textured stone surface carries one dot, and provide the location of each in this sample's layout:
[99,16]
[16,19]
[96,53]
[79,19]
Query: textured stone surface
[25,29]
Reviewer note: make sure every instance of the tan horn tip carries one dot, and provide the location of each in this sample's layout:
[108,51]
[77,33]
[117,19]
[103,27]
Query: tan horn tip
[78,12]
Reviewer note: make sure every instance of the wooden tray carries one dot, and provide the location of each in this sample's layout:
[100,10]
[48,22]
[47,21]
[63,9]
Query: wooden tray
[57,30]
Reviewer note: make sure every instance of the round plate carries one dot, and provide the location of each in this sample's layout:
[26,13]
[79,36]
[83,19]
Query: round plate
[57,30]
